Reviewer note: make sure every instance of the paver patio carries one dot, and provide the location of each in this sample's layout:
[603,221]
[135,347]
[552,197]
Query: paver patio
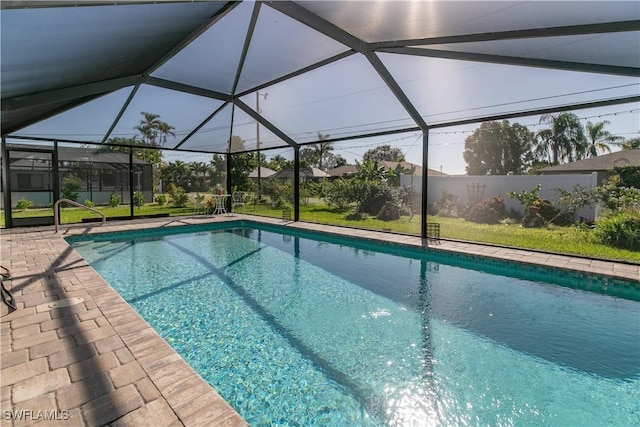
[93,361]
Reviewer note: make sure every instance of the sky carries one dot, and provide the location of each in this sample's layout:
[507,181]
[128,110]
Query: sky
[347,97]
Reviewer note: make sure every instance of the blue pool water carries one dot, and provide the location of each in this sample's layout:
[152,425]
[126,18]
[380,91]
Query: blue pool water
[296,331]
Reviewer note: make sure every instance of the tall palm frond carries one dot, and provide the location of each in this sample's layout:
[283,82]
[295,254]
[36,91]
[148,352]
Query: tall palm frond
[599,138]
[564,139]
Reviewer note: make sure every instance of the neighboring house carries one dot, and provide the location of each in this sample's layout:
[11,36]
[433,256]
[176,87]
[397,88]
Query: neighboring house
[305,173]
[347,170]
[264,173]
[101,172]
[601,165]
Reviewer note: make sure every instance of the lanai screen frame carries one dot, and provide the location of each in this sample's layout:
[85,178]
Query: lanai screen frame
[66,98]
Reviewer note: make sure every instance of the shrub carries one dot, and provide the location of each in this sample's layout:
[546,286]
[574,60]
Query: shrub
[571,201]
[70,186]
[489,211]
[389,212]
[527,198]
[377,196]
[541,212]
[160,199]
[546,210]
[23,204]
[138,198]
[621,230]
[170,188]
[89,203]
[280,192]
[337,194]
[372,196]
[620,198]
[179,198]
[448,205]
[114,200]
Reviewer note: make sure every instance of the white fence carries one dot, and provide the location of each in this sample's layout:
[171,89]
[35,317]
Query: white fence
[471,189]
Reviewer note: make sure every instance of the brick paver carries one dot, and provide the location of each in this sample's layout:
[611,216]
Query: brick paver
[79,360]
[99,363]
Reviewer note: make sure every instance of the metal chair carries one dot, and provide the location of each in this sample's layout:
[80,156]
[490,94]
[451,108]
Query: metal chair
[237,199]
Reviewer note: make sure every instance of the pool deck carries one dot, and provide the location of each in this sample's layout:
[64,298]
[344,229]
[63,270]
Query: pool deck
[93,361]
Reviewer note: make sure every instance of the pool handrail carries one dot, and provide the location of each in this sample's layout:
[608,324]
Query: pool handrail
[56,216]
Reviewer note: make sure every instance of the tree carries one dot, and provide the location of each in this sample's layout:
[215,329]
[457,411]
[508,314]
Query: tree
[153,134]
[369,170]
[176,172]
[336,162]
[498,148]
[384,153]
[629,144]
[278,163]
[240,165]
[217,170]
[564,140]
[199,171]
[153,130]
[236,145]
[599,138]
[320,155]
[71,184]
[393,175]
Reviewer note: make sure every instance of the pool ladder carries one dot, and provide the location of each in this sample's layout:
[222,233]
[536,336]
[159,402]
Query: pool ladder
[56,216]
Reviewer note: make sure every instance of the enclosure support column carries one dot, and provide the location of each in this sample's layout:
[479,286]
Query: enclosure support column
[296,184]
[131,182]
[6,190]
[425,182]
[55,174]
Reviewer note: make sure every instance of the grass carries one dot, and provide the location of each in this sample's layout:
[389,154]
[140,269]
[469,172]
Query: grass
[71,215]
[565,240]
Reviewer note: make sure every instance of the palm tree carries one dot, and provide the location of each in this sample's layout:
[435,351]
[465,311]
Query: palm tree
[323,153]
[277,163]
[564,140]
[164,130]
[154,131]
[629,144]
[217,169]
[199,170]
[599,138]
[147,127]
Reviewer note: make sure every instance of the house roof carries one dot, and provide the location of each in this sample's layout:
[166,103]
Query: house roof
[597,163]
[81,154]
[304,172]
[343,170]
[264,172]
[351,169]
[203,66]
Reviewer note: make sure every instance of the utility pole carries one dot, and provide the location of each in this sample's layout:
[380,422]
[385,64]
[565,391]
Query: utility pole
[258,95]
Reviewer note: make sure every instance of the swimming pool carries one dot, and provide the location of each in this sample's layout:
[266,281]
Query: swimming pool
[294,328]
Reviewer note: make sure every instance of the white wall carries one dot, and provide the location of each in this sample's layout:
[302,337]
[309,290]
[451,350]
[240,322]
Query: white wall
[43,199]
[500,185]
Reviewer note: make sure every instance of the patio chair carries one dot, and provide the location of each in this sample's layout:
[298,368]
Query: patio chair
[237,199]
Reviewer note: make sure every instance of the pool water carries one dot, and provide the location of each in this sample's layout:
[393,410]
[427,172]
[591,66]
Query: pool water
[296,331]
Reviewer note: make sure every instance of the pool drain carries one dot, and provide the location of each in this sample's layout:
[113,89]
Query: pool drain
[67,302]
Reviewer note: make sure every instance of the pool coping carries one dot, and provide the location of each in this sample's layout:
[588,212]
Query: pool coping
[98,362]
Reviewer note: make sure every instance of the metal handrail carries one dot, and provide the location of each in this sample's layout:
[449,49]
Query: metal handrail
[56,216]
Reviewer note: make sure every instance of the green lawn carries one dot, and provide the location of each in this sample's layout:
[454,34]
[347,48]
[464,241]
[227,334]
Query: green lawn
[71,215]
[565,240]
